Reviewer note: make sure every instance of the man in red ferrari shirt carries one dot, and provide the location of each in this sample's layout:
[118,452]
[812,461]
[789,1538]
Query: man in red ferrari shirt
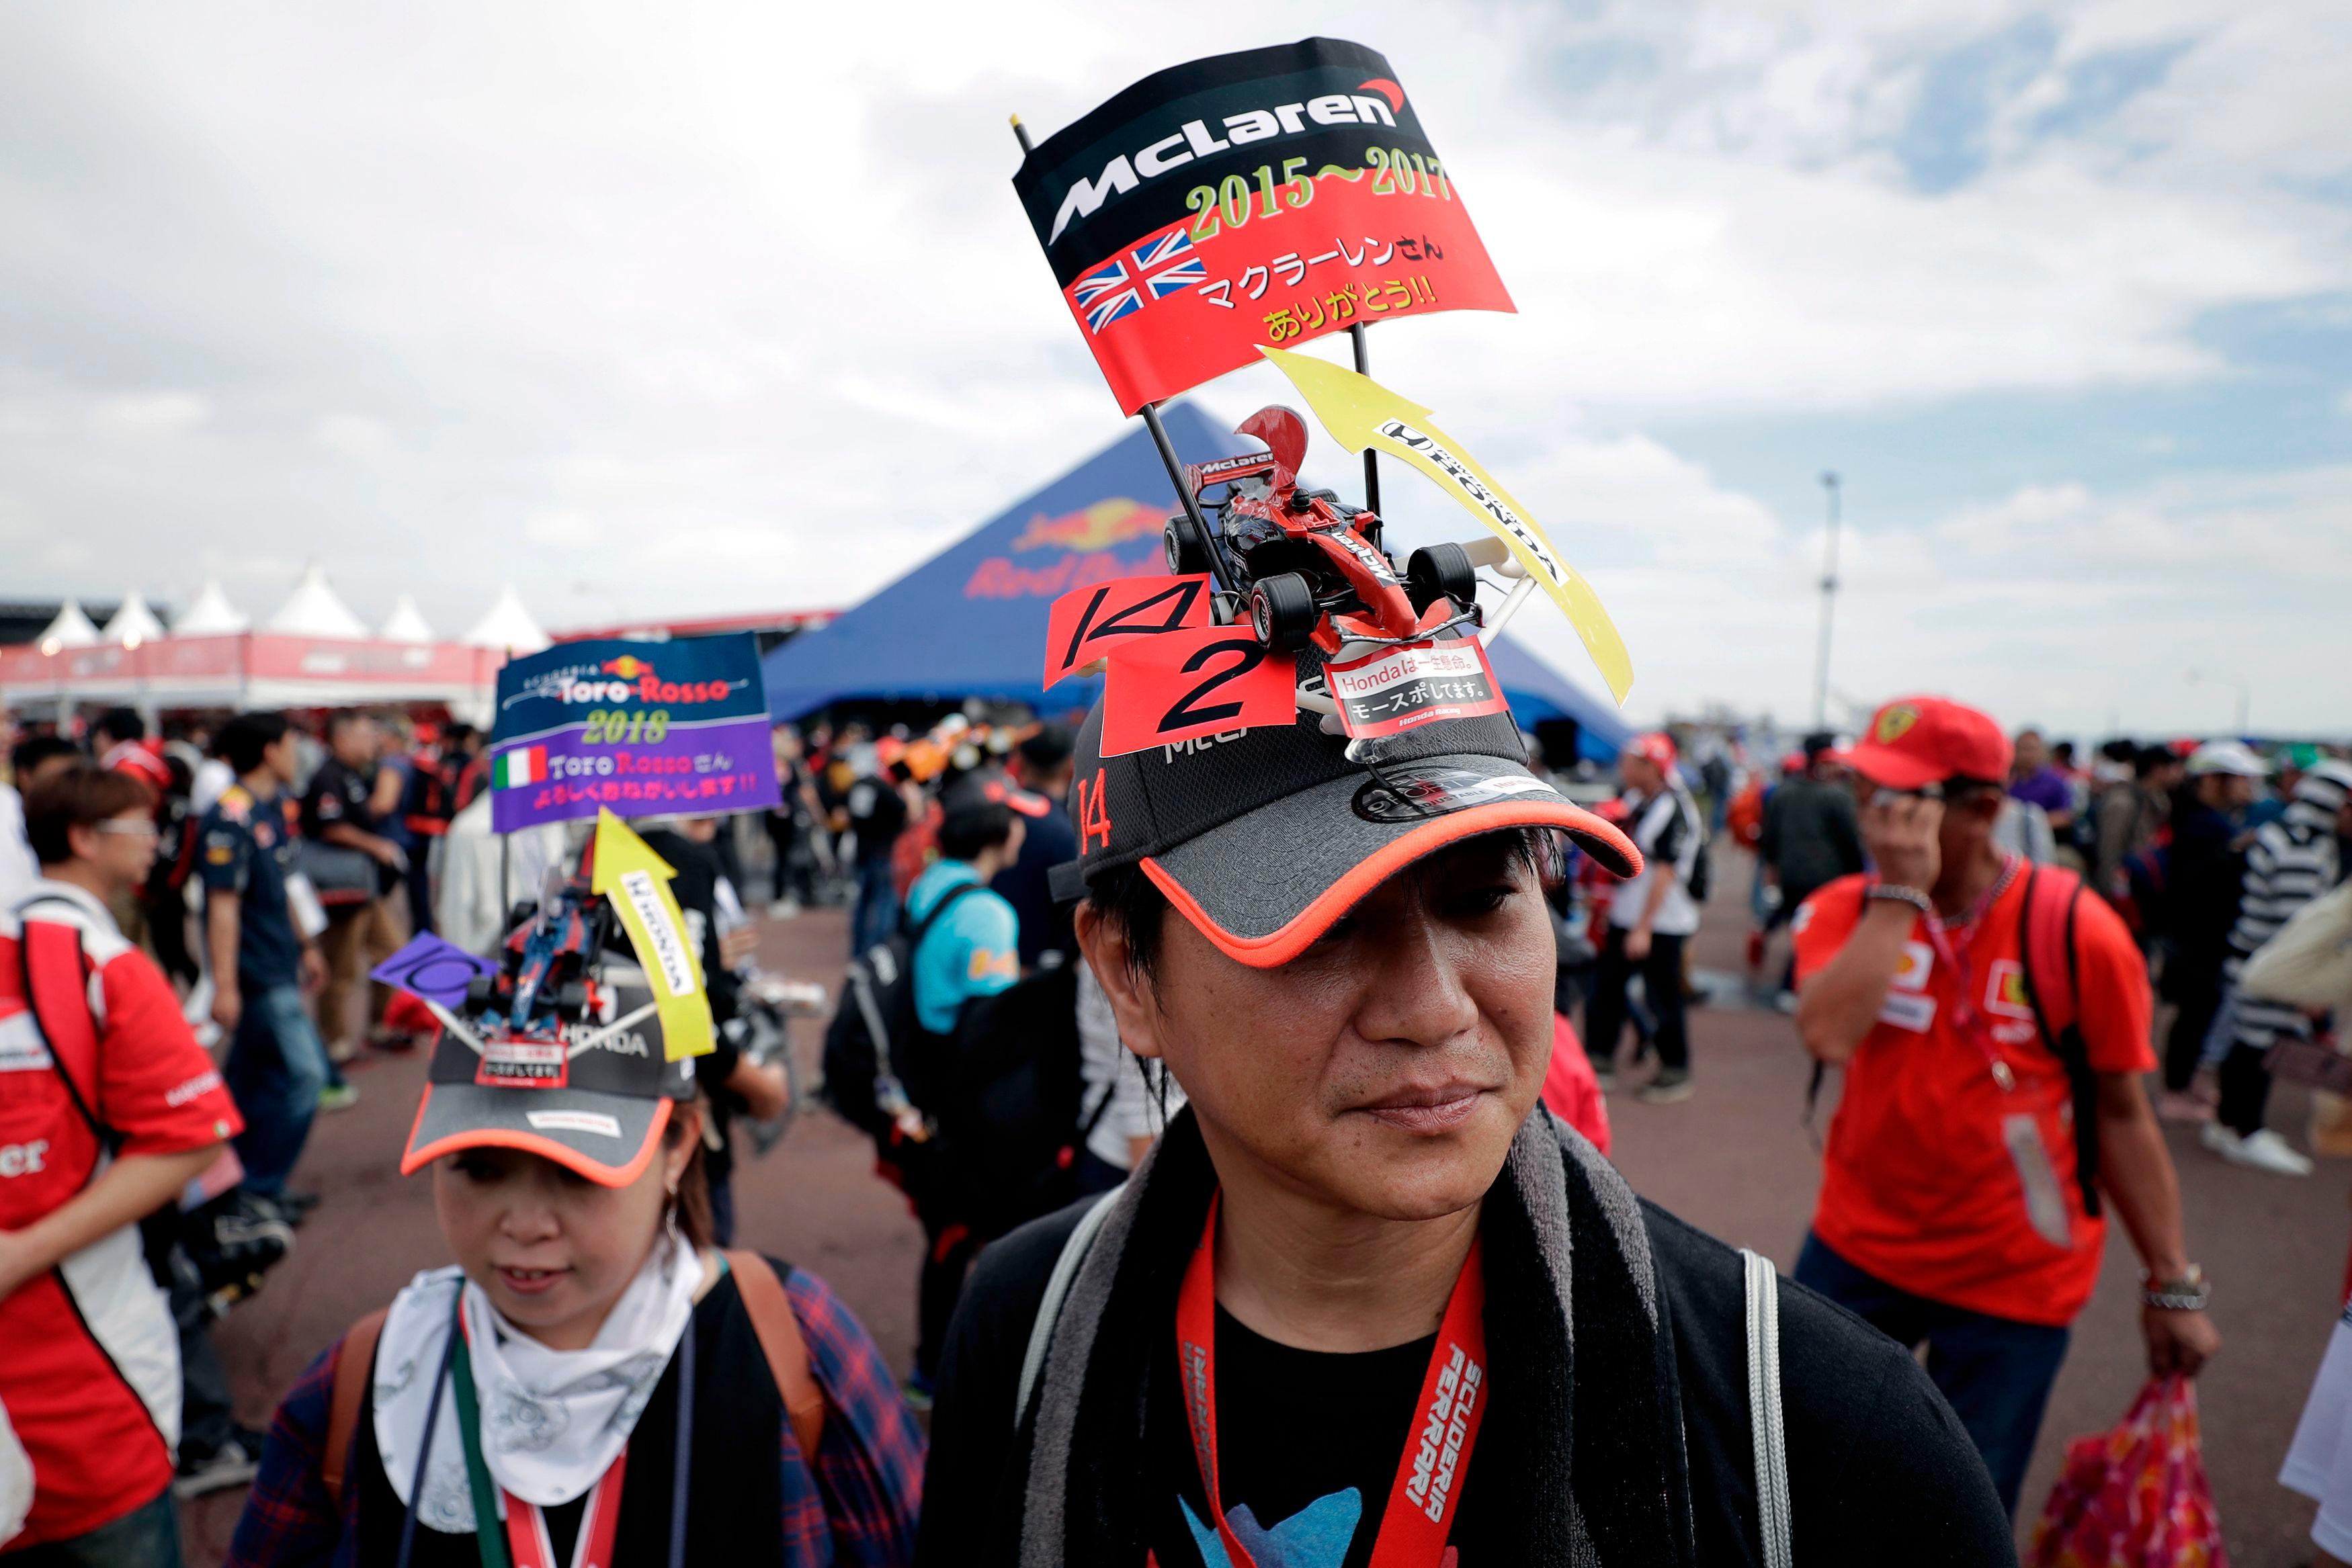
[94,1054]
[1952,1210]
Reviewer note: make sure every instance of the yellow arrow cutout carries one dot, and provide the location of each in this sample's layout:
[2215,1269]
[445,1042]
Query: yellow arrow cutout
[1358,413]
[637,880]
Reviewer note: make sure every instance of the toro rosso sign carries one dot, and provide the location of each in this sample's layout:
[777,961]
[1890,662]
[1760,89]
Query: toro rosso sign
[647,728]
[1259,197]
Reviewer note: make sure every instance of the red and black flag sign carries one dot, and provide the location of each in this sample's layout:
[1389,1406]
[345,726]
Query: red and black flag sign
[1261,198]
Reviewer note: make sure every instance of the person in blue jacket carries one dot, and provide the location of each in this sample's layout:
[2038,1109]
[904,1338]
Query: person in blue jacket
[973,950]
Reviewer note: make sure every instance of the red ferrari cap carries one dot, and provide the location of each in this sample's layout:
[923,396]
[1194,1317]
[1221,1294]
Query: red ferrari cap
[1913,742]
[1657,746]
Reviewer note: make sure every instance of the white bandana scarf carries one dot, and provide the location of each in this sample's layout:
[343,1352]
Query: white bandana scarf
[552,1420]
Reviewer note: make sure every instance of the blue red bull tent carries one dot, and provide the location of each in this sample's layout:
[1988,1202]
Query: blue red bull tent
[971,620]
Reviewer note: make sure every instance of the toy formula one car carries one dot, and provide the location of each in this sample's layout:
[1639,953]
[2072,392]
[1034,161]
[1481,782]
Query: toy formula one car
[1311,566]
[529,1016]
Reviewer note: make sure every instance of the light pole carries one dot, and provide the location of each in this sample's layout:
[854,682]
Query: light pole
[1829,603]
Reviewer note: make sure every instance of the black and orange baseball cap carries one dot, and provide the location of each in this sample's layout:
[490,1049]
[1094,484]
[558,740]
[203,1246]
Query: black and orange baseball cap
[1264,837]
[593,1096]
[1914,742]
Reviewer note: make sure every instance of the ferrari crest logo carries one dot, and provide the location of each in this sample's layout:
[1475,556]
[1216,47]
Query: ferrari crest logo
[1894,724]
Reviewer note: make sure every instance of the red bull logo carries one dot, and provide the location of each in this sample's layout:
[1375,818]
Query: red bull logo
[1109,522]
[628,667]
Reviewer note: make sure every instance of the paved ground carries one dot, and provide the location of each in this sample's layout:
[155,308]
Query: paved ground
[1733,1159]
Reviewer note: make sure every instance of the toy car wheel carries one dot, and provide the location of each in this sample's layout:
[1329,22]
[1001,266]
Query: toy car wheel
[1441,570]
[1183,548]
[1282,612]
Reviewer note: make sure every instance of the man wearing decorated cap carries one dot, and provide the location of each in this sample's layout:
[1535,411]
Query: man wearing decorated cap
[1365,1302]
[1993,1024]
[1649,919]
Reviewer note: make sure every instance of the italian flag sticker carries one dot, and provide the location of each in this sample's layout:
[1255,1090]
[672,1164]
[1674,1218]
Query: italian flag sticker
[524,765]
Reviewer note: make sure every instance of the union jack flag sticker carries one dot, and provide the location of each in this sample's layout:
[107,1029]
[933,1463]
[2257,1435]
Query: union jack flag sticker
[1170,263]
[1117,289]
[1106,295]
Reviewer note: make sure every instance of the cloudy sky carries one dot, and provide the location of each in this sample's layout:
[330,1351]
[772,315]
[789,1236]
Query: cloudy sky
[665,308]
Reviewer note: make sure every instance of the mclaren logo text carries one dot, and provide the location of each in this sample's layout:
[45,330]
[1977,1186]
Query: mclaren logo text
[1195,140]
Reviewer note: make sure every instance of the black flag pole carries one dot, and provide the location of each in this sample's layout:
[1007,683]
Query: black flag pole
[1227,599]
[1371,459]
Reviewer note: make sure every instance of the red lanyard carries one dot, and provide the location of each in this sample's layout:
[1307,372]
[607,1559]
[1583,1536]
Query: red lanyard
[1967,1019]
[527,1537]
[1436,1453]
[528,1526]
[528,1542]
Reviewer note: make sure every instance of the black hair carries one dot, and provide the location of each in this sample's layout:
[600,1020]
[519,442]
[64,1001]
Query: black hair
[121,724]
[342,718]
[2150,760]
[33,750]
[80,796]
[1127,897]
[972,830]
[2063,752]
[243,739]
[1047,749]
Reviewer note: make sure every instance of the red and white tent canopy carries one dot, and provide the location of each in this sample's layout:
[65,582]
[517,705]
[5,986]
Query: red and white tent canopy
[313,652]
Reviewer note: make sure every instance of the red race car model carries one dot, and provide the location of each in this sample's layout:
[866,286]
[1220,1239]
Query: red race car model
[1311,566]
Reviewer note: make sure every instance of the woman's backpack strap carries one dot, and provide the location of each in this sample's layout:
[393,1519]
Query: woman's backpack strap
[354,1374]
[1768,1435]
[779,1332]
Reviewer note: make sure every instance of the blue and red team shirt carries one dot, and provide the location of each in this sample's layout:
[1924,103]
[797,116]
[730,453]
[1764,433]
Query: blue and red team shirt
[90,1370]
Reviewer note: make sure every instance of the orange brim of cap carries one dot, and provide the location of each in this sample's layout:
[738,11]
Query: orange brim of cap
[1342,892]
[424,1148]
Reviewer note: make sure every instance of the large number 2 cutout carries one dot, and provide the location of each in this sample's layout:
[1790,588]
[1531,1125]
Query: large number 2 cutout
[1201,681]
[1249,655]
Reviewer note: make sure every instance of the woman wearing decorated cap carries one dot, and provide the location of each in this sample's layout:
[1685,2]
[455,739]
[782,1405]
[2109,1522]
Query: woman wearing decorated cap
[589,1382]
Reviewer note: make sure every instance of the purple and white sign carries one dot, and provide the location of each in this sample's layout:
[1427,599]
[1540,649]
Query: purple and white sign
[648,729]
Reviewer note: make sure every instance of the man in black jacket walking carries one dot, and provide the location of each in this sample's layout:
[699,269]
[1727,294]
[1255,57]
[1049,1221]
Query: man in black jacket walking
[1366,1293]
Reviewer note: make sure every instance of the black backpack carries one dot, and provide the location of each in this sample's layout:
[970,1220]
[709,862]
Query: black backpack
[1009,1108]
[996,1100]
[875,1032]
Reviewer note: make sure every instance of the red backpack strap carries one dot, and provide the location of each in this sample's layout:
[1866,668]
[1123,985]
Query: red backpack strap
[2049,943]
[354,1379]
[779,1334]
[2054,987]
[57,989]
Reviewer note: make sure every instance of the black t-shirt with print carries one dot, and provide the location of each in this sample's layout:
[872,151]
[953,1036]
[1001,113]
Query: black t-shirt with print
[1309,1442]
[339,793]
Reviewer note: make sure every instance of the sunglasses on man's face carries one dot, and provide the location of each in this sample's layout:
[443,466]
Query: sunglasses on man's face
[128,828]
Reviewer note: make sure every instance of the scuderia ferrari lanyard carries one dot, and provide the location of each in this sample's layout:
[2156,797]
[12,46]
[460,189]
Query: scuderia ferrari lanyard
[1436,1455]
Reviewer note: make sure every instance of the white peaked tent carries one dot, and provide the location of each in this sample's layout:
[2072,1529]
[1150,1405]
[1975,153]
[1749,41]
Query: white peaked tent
[312,609]
[211,615]
[71,629]
[133,624]
[406,624]
[509,625]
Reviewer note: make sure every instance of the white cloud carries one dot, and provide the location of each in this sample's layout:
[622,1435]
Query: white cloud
[417,293]
[152,413]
